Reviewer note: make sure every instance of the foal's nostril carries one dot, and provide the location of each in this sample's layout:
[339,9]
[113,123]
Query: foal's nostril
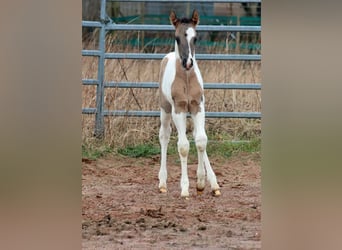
[184,62]
[187,64]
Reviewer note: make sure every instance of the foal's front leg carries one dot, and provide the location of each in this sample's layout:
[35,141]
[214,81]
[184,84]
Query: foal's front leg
[200,137]
[183,149]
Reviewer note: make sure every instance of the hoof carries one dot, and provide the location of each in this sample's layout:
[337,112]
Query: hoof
[162,190]
[185,195]
[216,192]
[200,191]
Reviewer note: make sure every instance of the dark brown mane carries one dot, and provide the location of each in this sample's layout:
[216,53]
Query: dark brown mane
[185,20]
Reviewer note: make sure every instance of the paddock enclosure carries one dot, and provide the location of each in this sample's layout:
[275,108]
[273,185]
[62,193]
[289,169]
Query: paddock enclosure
[120,63]
[123,44]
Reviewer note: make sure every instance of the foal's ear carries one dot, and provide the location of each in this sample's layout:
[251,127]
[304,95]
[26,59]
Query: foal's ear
[195,17]
[173,19]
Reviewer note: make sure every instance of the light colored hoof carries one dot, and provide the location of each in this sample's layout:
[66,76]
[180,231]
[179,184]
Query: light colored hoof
[185,195]
[162,190]
[216,192]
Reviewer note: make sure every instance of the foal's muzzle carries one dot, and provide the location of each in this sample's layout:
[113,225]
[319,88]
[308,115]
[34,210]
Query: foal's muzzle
[187,63]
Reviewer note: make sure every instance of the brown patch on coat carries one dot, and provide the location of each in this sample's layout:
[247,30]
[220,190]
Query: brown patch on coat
[186,90]
[164,103]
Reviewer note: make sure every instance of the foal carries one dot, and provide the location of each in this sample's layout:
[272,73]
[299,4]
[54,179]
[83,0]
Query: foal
[181,91]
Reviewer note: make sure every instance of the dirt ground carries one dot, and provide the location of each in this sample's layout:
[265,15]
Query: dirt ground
[122,208]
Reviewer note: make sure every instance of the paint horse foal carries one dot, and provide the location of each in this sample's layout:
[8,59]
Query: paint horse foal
[181,91]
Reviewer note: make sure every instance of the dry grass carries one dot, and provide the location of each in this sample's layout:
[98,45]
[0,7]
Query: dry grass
[123,131]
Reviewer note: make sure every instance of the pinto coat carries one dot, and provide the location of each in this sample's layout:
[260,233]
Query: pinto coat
[181,92]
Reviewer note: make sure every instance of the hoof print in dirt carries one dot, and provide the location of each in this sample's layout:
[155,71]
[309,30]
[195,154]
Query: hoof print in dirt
[154,213]
[185,198]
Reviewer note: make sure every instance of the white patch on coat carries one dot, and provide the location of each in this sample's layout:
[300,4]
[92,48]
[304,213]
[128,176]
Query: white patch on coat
[169,76]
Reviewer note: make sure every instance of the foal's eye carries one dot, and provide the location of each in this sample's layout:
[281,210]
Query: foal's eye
[177,40]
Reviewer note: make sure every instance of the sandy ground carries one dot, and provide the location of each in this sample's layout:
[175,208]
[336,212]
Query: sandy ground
[122,208]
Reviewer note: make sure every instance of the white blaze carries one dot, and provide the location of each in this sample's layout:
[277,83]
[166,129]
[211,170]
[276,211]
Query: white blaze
[190,33]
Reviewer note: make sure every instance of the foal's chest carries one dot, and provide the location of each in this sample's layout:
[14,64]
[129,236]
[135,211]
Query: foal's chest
[186,90]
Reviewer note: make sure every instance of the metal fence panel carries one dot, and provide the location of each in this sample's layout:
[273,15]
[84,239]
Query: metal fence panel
[106,24]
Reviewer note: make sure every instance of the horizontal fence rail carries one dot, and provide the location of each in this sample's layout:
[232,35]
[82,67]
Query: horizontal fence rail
[157,113]
[158,56]
[107,24]
[206,85]
[151,85]
[163,27]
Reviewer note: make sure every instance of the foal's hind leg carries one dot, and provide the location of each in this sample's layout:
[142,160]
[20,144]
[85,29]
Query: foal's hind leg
[164,137]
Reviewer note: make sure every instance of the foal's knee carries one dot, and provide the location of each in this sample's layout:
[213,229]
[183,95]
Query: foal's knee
[164,133]
[183,148]
[201,143]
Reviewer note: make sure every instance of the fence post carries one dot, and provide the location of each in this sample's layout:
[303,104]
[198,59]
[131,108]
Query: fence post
[99,116]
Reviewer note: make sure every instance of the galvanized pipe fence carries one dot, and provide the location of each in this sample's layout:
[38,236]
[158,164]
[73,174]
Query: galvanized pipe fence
[105,24]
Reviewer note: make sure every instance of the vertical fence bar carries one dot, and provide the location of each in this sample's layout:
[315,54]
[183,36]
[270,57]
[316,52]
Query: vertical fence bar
[99,117]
